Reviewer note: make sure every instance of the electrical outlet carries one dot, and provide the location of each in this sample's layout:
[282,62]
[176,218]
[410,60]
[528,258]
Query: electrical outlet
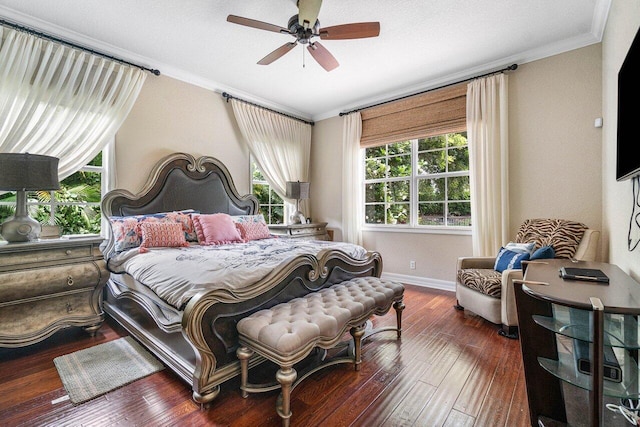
[412,265]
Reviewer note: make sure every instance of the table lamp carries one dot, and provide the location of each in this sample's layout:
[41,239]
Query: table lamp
[22,172]
[299,191]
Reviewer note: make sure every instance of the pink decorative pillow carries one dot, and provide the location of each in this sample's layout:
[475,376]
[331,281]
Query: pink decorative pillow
[253,230]
[161,235]
[126,229]
[215,229]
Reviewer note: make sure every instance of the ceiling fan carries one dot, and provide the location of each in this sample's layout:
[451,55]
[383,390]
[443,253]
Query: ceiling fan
[304,27]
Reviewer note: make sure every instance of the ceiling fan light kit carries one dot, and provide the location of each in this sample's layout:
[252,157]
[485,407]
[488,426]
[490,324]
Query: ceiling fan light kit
[299,26]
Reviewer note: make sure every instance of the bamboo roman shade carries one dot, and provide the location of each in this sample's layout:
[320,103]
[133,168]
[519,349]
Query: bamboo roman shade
[428,114]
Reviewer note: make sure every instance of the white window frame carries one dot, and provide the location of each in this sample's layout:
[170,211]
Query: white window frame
[286,206]
[414,178]
[53,204]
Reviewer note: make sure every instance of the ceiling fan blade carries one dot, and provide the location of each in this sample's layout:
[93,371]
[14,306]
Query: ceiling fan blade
[323,56]
[256,24]
[308,11]
[277,53]
[356,30]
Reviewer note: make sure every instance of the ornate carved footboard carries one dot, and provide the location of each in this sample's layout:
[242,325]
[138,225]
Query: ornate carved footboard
[199,342]
[209,321]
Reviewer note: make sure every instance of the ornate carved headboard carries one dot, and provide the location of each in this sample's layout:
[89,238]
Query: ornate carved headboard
[177,182]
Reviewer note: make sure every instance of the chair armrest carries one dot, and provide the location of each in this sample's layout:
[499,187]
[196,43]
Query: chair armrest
[588,247]
[476,262]
[508,301]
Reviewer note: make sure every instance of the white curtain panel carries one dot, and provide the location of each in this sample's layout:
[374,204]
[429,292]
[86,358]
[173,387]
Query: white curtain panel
[281,146]
[111,182]
[487,133]
[60,101]
[352,179]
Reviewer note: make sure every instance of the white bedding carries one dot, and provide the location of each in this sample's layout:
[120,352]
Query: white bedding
[177,274]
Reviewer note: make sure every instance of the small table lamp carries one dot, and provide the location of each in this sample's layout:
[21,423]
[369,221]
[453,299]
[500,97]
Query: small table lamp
[299,191]
[22,172]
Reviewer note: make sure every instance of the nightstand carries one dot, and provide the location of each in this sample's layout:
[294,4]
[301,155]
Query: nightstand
[49,285]
[313,231]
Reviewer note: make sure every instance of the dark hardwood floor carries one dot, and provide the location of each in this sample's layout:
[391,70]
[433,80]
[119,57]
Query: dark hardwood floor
[450,369]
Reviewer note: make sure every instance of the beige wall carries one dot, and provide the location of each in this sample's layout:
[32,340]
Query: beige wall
[555,164]
[622,25]
[555,149]
[170,116]
[326,173]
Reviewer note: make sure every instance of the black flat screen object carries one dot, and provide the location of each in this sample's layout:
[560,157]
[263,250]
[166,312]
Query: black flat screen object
[627,161]
[586,274]
[612,369]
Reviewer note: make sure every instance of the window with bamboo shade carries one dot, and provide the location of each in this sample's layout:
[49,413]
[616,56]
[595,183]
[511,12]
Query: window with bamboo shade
[416,161]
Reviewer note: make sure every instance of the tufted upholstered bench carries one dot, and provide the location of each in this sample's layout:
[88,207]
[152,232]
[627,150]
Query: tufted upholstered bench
[287,333]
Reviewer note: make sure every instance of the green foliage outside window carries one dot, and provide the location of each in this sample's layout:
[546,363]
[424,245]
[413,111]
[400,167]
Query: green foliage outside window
[441,178]
[271,204]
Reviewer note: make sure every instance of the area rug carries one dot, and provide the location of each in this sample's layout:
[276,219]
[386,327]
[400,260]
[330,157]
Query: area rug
[94,371]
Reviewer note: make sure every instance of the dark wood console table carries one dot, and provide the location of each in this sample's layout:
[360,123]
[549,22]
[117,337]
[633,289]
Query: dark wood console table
[556,315]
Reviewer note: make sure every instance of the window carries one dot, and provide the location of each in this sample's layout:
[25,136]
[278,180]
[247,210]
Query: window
[75,207]
[419,183]
[271,204]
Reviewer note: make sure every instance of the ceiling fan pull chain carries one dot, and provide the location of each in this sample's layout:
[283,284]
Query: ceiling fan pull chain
[303,58]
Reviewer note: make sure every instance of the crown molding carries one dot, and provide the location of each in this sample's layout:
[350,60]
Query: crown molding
[460,75]
[595,36]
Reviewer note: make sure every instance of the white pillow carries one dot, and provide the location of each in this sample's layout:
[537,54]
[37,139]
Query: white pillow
[521,248]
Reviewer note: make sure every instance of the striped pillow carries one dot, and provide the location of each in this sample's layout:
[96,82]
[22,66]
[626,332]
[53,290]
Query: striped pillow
[562,235]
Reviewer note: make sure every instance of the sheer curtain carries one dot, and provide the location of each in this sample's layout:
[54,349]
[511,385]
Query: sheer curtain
[61,101]
[487,133]
[280,145]
[352,174]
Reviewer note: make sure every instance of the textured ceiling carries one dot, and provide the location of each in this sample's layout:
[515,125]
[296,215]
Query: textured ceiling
[422,44]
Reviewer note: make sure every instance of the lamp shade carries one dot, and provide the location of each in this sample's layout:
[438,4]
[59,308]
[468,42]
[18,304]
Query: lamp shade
[28,172]
[297,190]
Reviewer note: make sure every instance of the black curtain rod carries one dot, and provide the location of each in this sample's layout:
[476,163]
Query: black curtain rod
[229,96]
[76,46]
[509,68]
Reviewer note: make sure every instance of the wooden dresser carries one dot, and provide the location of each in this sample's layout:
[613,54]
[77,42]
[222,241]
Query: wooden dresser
[49,285]
[313,231]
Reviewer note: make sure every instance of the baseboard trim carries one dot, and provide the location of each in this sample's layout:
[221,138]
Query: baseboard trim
[426,282]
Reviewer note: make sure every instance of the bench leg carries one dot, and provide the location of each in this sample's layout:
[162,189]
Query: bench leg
[244,354]
[357,332]
[286,375]
[399,306]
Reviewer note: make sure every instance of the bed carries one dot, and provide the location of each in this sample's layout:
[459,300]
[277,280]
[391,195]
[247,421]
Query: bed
[192,328]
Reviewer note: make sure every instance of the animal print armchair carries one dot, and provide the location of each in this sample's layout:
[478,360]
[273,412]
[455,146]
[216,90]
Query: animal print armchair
[486,287]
